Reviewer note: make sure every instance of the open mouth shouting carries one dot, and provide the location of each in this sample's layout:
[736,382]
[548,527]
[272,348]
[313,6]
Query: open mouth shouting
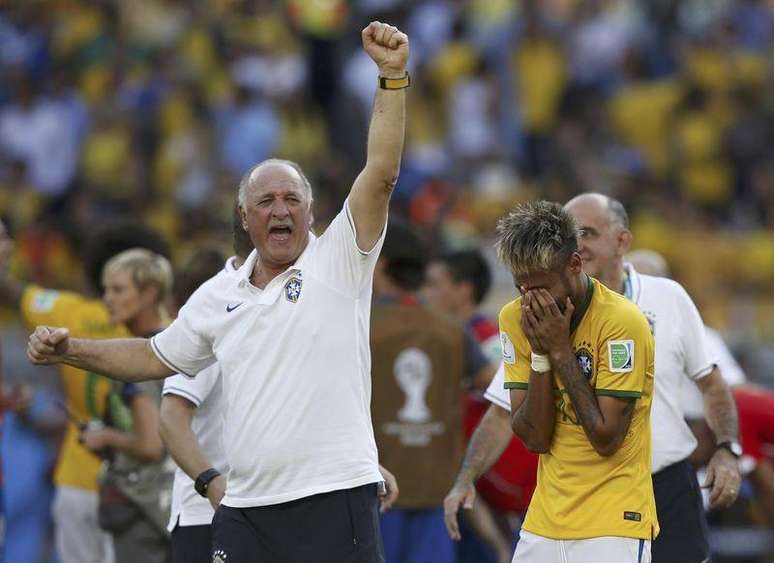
[280,233]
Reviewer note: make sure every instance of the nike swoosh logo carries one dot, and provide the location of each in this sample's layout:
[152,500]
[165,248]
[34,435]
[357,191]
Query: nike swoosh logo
[230,308]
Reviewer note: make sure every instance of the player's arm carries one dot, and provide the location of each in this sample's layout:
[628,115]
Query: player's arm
[605,420]
[533,414]
[487,444]
[370,195]
[183,445]
[125,359]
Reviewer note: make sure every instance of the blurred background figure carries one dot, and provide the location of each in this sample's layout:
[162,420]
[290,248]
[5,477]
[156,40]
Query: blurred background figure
[457,284]
[32,427]
[136,483]
[422,362]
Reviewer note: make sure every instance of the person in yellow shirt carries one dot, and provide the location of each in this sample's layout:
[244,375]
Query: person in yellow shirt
[78,537]
[578,361]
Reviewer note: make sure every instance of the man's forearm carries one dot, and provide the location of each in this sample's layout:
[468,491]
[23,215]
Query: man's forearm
[584,401]
[534,420]
[181,442]
[386,133]
[488,442]
[125,359]
[719,408]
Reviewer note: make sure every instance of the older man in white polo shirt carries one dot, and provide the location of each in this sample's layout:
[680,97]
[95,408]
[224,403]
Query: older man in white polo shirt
[289,331]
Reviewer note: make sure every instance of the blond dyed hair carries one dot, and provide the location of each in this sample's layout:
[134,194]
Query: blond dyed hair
[146,268]
[538,236]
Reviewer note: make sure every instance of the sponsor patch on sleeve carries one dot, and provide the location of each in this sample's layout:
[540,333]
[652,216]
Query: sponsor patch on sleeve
[620,355]
[509,355]
[44,301]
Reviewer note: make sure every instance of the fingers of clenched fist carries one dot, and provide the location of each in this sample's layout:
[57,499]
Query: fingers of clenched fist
[44,343]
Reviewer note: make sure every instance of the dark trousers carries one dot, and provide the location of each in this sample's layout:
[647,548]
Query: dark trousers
[336,527]
[192,544]
[684,531]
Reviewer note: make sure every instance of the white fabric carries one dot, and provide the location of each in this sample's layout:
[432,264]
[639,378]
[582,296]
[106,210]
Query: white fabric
[730,370]
[606,549]
[77,535]
[682,357]
[296,369]
[205,392]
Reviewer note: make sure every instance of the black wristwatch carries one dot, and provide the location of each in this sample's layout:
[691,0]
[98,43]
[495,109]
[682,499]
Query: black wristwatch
[732,446]
[202,482]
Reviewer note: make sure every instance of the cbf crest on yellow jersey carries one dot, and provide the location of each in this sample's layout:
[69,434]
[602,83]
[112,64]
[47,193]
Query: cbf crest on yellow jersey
[86,392]
[579,493]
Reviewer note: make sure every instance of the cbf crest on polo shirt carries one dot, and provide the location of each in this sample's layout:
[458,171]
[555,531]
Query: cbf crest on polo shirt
[293,288]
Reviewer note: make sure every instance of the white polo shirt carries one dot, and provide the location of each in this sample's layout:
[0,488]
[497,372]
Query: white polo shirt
[296,369]
[205,392]
[681,358]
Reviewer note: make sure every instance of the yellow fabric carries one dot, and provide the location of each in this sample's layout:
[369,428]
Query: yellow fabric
[579,493]
[657,100]
[540,66]
[86,393]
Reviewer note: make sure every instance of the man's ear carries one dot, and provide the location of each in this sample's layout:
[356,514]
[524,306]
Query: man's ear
[243,217]
[624,240]
[575,264]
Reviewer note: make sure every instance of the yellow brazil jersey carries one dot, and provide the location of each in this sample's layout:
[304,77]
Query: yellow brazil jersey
[86,393]
[579,493]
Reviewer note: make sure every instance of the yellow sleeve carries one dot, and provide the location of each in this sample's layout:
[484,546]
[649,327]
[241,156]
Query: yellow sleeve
[516,350]
[40,306]
[625,352]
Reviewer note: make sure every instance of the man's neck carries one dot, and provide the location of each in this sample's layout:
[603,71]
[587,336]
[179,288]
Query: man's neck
[615,278]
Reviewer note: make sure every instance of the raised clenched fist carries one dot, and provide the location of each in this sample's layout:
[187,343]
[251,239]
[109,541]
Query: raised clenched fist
[388,47]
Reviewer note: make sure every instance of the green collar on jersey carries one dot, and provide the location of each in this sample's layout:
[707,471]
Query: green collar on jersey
[577,316]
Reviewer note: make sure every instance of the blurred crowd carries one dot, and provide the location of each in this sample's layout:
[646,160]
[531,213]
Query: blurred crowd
[154,108]
[151,110]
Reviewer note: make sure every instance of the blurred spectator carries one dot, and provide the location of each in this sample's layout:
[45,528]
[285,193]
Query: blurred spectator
[32,425]
[135,486]
[457,283]
[421,362]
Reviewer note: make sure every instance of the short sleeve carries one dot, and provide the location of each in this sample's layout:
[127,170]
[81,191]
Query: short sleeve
[182,346]
[516,353]
[338,258]
[496,392]
[696,356]
[195,389]
[626,356]
[40,306]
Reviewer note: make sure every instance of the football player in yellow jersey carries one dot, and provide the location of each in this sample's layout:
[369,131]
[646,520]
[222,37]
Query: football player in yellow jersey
[78,537]
[579,365]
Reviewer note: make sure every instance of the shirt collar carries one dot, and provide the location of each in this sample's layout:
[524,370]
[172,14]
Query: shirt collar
[633,284]
[246,270]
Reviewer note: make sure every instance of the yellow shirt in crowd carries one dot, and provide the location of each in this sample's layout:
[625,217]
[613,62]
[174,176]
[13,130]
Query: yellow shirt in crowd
[86,393]
[579,493]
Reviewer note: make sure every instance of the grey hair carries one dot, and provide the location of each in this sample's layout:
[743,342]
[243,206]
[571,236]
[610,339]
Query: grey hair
[618,217]
[538,236]
[244,183]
